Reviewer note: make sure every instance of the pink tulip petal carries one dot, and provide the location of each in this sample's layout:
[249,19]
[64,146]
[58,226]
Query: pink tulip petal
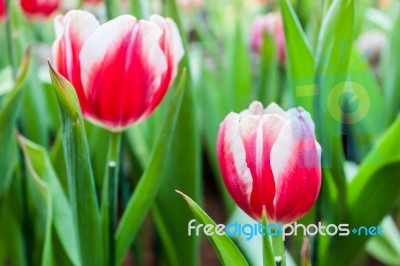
[72,30]
[122,64]
[258,138]
[231,157]
[171,44]
[295,162]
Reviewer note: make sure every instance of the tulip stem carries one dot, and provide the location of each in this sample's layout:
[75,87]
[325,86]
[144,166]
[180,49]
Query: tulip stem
[279,250]
[110,192]
[268,253]
[112,9]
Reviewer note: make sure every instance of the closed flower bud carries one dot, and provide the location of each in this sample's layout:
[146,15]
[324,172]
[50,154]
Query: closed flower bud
[270,158]
[269,24]
[122,69]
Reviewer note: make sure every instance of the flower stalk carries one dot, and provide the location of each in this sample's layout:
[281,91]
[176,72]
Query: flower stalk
[110,199]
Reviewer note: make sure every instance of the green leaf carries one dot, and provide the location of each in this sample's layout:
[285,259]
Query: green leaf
[300,60]
[183,160]
[82,193]
[269,89]
[150,183]
[8,118]
[364,106]
[227,251]
[386,248]
[11,240]
[6,80]
[46,181]
[43,202]
[390,77]
[238,72]
[331,73]
[372,193]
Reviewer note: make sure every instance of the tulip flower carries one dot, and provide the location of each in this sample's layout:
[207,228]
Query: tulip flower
[2,9]
[269,24]
[39,8]
[122,69]
[270,159]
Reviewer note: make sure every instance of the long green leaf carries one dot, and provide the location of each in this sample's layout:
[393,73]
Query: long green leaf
[43,201]
[390,77]
[82,193]
[300,60]
[46,179]
[8,117]
[332,63]
[386,248]
[11,240]
[150,183]
[227,251]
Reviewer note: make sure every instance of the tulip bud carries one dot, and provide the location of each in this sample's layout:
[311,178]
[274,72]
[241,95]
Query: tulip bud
[39,8]
[122,69]
[270,158]
[269,24]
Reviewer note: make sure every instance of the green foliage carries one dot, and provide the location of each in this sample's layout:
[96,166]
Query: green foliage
[82,193]
[227,251]
[150,183]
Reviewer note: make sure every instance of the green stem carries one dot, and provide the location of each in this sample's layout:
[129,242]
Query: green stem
[268,253]
[279,250]
[112,9]
[111,197]
[10,46]
[140,8]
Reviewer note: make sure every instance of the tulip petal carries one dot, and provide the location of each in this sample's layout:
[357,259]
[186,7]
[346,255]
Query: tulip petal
[295,163]
[231,157]
[72,30]
[258,134]
[171,44]
[273,108]
[122,64]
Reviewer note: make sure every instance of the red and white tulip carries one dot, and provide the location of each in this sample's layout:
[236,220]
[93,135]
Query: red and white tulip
[122,69]
[2,9]
[269,158]
[39,8]
[269,24]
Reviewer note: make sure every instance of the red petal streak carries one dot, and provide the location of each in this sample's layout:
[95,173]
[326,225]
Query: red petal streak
[121,83]
[258,141]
